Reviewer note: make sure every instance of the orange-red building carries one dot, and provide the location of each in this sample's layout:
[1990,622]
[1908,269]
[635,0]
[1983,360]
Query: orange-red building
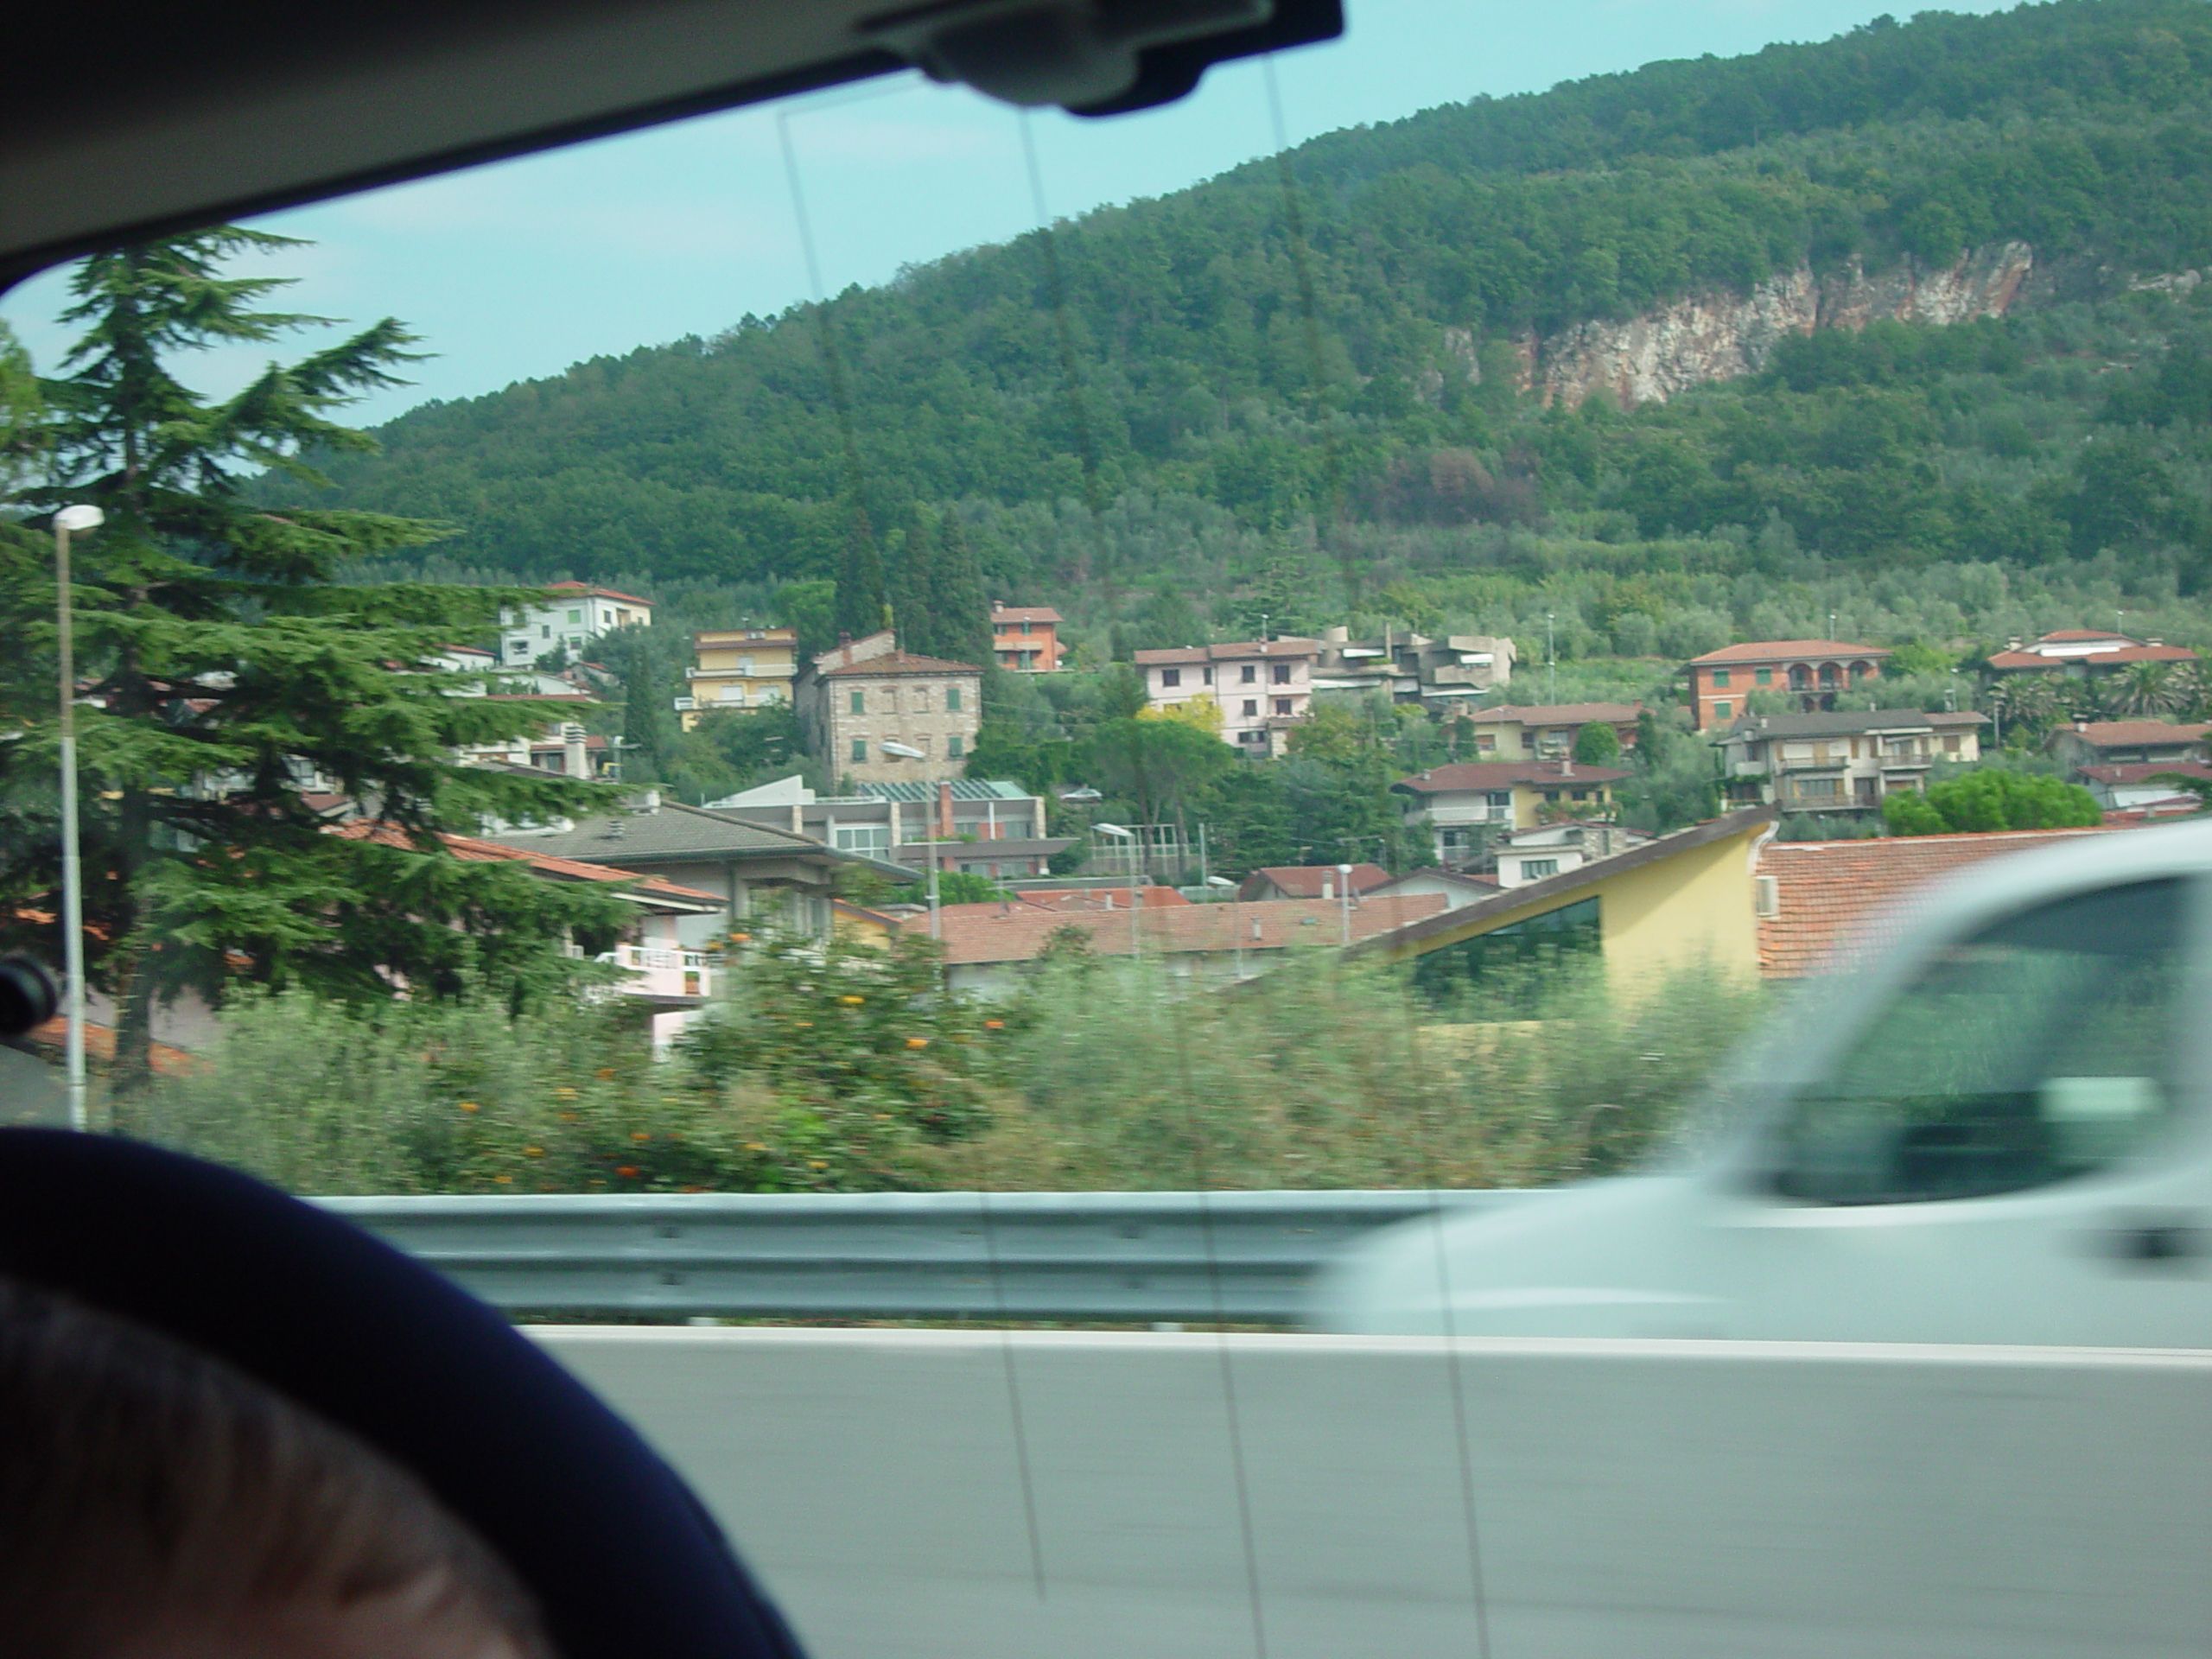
[1810,671]
[1025,637]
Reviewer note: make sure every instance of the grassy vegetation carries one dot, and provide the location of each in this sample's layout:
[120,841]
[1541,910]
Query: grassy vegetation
[1101,1076]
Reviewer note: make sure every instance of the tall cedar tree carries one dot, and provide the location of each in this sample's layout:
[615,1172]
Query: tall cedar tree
[225,673]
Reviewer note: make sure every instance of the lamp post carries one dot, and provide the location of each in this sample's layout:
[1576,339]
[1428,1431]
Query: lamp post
[1344,899]
[70,519]
[1236,917]
[1120,834]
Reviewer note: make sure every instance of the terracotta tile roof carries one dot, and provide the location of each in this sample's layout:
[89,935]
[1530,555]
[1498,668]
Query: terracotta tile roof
[1287,647]
[2006,659]
[1304,880]
[1024,613]
[2136,771]
[1500,774]
[596,593]
[1764,651]
[1016,932]
[2113,734]
[1095,898]
[896,662]
[2173,806]
[100,1045]
[1559,714]
[1823,888]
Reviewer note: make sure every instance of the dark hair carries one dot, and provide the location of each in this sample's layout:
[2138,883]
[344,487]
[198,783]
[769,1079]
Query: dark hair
[144,1485]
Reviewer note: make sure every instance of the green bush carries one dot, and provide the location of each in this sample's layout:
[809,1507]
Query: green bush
[1990,799]
[845,1068]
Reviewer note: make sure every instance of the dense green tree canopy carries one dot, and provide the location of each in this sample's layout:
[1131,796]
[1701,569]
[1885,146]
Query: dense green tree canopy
[230,675]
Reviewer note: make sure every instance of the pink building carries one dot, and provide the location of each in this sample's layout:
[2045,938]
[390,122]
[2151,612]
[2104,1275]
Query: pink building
[1264,687]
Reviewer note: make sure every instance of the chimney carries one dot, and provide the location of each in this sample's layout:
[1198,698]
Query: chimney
[1566,767]
[945,809]
[2013,644]
[2080,722]
[575,754]
[1328,888]
[2154,640]
[998,605]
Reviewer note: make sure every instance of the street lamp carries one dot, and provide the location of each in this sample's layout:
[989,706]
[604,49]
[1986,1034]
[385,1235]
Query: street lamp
[1237,916]
[66,522]
[1344,899]
[1122,833]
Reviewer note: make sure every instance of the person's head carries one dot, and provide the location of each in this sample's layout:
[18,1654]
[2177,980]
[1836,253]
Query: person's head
[155,1503]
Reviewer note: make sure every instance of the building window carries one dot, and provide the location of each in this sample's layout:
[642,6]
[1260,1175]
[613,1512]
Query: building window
[1206,674]
[952,747]
[1486,742]
[1580,794]
[1251,707]
[1250,674]
[1723,709]
[1720,678]
[1766,677]
[1171,677]
[860,748]
[545,630]
[860,703]
[1534,870]
[1551,795]
[1283,673]
[922,701]
[951,699]
[1283,705]
[1498,799]
[864,837]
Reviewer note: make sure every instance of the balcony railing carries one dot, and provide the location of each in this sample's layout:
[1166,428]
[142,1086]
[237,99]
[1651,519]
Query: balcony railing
[662,971]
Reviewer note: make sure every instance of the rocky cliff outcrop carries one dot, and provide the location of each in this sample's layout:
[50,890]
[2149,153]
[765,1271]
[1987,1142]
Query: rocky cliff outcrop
[1721,336]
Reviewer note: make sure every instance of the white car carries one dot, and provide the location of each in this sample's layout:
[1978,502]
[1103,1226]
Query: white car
[1994,1130]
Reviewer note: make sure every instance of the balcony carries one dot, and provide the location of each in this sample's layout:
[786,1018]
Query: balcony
[666,974]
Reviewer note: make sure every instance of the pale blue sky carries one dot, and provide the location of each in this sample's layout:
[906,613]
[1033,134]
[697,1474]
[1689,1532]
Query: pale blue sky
[521,268]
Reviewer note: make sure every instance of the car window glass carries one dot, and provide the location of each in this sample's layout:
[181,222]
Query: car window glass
[2037,1050]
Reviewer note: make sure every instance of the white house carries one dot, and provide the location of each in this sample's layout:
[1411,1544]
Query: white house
[577,613]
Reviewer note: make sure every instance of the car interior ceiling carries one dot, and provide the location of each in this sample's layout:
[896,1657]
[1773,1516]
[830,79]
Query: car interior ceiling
[145,119]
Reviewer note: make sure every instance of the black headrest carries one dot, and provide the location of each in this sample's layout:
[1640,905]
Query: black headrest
[622,1558]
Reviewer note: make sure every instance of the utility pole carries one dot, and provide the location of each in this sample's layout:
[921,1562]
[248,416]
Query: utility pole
[1551,663]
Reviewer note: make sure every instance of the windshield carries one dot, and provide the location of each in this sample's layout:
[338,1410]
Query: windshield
[883,710]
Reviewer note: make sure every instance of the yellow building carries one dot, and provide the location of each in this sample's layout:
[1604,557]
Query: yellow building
[1684,901]
[739,669]
[1464,805]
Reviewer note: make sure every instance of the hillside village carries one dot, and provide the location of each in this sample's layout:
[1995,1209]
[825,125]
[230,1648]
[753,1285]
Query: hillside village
[1645,609]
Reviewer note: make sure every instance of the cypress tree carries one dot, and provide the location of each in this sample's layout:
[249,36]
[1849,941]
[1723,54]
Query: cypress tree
[642,755]
[860,579]
[230,675]
[960,606]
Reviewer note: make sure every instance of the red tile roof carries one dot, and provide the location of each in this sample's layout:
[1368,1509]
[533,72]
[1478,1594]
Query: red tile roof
[1016,932]
[896,662]
[596,593]
[1288,647]
[1304,880]
[1095,898]
[1824,888]
[471,850]
[1500,774]
[1560,714]
[1024,613]
[2113,734]
[1777,650]
[2136,771]
[2004,659]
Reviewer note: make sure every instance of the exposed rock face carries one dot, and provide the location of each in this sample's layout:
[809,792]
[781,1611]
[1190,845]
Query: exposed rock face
[1721,336]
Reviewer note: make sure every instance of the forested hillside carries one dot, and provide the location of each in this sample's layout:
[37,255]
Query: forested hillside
[1208,445]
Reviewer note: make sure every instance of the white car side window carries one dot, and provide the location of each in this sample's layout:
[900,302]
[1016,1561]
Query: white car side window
[2039,1049]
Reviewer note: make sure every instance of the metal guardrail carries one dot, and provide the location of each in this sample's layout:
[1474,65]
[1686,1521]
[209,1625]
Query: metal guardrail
[1243,1257]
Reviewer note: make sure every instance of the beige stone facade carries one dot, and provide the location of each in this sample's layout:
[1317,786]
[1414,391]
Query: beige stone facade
[862,704]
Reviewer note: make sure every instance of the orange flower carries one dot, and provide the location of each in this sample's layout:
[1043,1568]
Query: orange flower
[504,1180]
[993,1024]
[605,1074]
[640,1135]
[533,1152]
[625,1170]
[852,1001]
[918,1042]
[470,1106]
